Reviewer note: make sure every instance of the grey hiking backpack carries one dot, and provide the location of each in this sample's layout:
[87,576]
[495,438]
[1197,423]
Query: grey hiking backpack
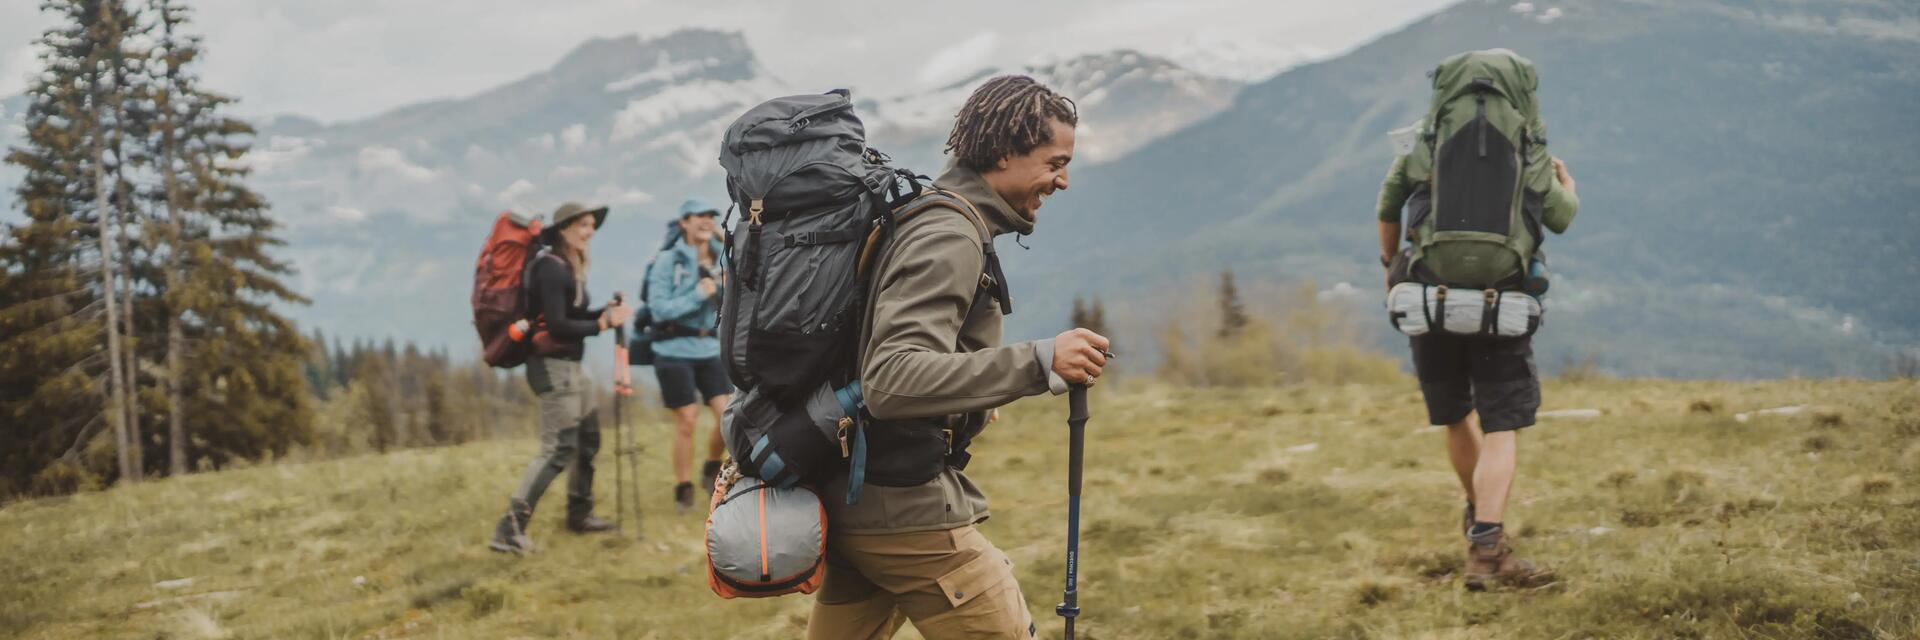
[812,193]
[799,169]
[815,200]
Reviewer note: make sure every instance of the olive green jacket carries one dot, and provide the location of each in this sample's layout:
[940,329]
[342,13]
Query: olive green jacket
[931,351]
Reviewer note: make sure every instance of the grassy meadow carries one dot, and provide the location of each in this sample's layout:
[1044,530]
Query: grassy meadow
[1287,512]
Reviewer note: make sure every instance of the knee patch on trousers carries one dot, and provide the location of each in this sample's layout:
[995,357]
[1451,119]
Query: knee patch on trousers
[566,445]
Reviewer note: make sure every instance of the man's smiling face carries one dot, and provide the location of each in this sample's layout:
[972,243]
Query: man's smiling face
[1026,180]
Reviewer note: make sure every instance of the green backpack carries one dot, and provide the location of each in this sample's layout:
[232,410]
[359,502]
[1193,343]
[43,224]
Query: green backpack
[1482,161]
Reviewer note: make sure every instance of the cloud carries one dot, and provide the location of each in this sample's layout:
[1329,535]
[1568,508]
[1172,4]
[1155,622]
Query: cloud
[567,172]
[514,193]
[543,142]
[278,152]
[642,116]
[1338,292]
[346,214]
[574,137]
[966,57]
[387,160]
[17,66]
[260,50]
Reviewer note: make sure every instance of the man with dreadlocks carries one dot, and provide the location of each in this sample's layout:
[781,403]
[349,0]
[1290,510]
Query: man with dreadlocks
[934,370]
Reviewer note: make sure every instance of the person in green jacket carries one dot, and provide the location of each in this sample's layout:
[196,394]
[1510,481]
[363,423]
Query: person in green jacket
[1484,390]
[934,369]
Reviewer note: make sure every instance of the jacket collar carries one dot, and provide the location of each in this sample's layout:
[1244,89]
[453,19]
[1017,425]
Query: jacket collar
[719,250]
[994,210]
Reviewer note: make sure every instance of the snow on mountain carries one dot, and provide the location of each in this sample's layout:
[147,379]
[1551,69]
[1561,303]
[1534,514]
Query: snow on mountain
[1245,59]
[1126,99]
[383,214]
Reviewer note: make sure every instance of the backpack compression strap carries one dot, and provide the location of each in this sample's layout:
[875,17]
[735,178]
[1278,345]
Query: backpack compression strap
[855,406]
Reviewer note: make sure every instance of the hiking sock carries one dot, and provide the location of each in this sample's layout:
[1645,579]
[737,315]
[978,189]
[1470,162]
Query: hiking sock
[1484,534]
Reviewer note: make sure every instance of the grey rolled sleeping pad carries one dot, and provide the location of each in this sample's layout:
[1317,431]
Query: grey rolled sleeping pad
[790,521]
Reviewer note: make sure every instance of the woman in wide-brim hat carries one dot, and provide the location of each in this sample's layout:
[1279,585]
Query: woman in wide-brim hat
[569,421]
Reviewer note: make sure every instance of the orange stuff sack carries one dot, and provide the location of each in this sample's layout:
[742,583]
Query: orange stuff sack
[764,541]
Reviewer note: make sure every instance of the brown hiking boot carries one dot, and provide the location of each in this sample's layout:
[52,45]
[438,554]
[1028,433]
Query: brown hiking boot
[1493,565]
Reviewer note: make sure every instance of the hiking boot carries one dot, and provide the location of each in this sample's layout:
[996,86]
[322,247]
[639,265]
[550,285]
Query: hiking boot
[510,535]
[707,475]
[589,524]
[1493,564]
[682,497]
[580,516]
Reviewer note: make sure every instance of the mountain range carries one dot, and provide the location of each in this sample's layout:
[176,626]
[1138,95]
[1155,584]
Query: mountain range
[1747,173]
[384,215]
[1746,170]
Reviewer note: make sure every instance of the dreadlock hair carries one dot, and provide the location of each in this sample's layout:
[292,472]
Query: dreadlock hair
[1009,115]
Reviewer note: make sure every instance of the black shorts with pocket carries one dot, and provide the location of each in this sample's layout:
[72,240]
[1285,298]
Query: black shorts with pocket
[1494,376]
[684,382]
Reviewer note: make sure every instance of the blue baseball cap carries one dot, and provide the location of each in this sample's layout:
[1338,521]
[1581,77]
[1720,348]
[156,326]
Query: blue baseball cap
[697,205]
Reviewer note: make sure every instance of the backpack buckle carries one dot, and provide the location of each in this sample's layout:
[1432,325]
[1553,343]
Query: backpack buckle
[845,424]
[948,433]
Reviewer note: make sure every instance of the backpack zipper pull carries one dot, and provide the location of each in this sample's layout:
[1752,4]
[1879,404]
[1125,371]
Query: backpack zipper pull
[749,264]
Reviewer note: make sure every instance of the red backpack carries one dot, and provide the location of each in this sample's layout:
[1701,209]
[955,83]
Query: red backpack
[500,311]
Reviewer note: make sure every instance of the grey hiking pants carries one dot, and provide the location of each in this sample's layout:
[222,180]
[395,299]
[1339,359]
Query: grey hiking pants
[569,435]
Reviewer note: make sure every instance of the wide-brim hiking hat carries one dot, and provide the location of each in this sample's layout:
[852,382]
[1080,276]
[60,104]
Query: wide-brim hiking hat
[697,206]
[569,212]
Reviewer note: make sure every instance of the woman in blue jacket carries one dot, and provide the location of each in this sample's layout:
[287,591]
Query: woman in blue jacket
[683,300]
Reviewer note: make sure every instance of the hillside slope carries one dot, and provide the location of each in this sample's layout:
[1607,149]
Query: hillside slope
[1305,512]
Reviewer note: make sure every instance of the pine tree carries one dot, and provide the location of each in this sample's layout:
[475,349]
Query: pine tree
[440,428]
[340,364]
[377,411]
[1176,357]
[1077,319]
[1233,315]
[319,367]
[59,382]
[236,384]
[1096,320]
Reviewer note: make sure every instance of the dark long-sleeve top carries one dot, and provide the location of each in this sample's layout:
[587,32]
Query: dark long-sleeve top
[569,322]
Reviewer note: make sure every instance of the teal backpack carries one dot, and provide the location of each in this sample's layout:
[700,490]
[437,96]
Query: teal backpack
[1482,162]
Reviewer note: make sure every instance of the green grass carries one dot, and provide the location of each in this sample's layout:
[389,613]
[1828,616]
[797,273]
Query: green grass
[1205,516]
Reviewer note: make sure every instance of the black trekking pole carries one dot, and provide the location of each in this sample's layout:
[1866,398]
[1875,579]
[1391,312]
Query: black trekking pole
[619,464]
[1076,457]
[623,469]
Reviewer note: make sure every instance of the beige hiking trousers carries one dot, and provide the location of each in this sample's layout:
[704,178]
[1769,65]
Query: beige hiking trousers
[951,584]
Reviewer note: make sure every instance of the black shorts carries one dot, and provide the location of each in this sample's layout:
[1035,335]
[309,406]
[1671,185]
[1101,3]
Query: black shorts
[685,382]
[1494,376]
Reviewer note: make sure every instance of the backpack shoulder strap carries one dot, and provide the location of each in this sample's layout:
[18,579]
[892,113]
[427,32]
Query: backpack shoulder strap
[991,277]
[526,279]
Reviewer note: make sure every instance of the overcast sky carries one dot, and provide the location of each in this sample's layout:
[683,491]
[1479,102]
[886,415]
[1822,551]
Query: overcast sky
[345,59]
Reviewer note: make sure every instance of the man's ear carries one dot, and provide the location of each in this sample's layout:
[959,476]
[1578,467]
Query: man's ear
[1003,163]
